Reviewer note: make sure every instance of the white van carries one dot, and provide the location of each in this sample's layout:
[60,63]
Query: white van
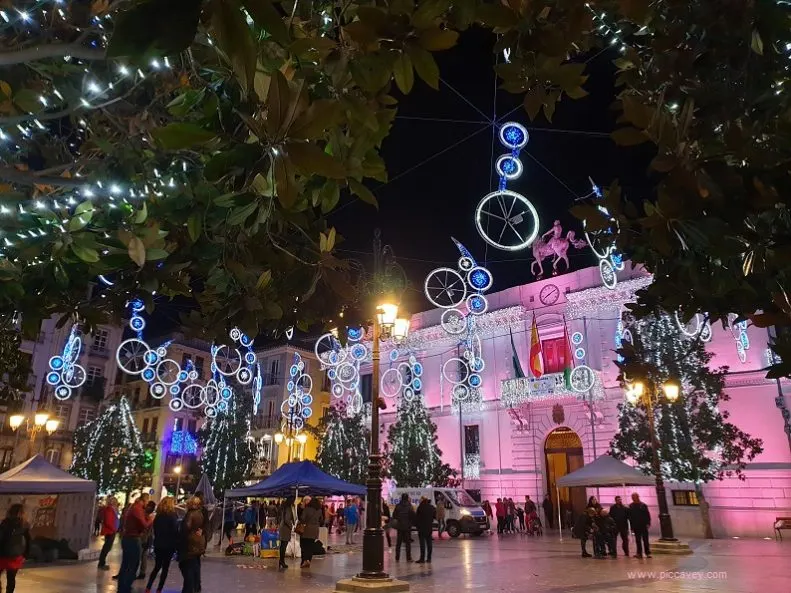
[462,513]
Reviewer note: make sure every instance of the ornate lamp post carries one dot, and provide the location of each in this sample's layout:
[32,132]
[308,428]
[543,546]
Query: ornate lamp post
[637,393]
[386,285]
[41,421]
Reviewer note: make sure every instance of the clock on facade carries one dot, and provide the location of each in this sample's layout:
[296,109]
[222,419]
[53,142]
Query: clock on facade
[549,295]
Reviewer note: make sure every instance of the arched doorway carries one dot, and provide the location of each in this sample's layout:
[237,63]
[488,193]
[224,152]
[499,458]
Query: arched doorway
[563,455]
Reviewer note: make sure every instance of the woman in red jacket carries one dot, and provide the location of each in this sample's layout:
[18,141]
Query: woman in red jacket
[109,530]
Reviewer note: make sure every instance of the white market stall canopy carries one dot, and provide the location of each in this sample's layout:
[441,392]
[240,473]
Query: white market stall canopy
[605,471]
[39,476]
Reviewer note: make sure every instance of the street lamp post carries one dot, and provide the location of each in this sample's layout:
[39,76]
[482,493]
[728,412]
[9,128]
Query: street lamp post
[177,470]
[637,392]
[41,421]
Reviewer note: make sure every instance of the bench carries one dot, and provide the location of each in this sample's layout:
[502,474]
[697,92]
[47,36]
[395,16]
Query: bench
[780,524]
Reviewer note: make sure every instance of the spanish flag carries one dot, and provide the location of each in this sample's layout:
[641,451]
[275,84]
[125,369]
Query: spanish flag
[568,361]
[536,356]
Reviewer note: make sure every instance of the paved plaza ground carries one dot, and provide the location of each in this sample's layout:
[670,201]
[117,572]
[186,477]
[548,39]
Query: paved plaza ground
[490,564]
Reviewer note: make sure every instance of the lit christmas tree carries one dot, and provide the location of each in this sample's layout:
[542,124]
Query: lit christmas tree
[109,451]
[228,455]
[413,457]
[343,451]
[697,444]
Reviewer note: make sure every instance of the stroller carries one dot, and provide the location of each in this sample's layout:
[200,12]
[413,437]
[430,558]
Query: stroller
[534,524]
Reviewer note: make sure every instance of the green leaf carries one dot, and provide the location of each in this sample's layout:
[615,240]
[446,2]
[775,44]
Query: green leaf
[438,39]
[362,192]
[236,160]
[322,115]
[235,40]
[157,27]
[425,65]
[534,99]
[329,196]
[86,254]
[156,254]
[428,12]
[185,102]
[663,163]
[629,136]
[403,73]
[79,221]
[241,213]
[756,43]
[497,15]
[284,182]
[137,251]
[86,206]
[272,310]
[27,100]
[195,226]
[176,136]
[141,215]
[311,160]
[263,280]
[266,16]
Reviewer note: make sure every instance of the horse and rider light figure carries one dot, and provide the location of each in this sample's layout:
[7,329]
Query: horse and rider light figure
[556,246]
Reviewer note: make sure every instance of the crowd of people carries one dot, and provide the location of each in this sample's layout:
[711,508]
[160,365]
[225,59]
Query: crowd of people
[604,526]
[514,517]
[144,524]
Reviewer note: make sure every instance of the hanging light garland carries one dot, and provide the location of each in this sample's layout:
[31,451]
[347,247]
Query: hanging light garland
[65,374]
[602,243]
[402,379]
[342,364]
[297,408]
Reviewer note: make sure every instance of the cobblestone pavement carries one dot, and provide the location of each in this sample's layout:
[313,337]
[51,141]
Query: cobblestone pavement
[511,564]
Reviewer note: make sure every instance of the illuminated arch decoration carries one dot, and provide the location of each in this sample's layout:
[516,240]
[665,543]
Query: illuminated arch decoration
[461,293]
[504,218]
[402,379]
[603,246]
[298,407]
[342,364]
[64,374]
[697,327]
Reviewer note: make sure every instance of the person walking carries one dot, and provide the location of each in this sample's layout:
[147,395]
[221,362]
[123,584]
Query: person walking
[288,517]
[251,520]
[135,526]
[311,521]
[583,528]
[146,541]
[440,518]
[424,521]
[166,539]
[192,545]
[352,515]
[386,517]
[640,519]
[109,529]
[14,544]
[499,509]
[620,514]
[549,511]
[404,516]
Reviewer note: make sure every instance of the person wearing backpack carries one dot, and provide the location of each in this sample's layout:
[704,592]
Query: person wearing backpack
[14,544]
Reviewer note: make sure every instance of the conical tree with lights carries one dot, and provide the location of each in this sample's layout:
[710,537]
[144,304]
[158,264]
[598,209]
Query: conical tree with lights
[413,457]
[228,456]
[343,450]
[697,443]
[109,451]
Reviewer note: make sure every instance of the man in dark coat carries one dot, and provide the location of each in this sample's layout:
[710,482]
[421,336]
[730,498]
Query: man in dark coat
[640,519]
[583,528]
[620,514]
[425,527]
[404,517]
[549,511]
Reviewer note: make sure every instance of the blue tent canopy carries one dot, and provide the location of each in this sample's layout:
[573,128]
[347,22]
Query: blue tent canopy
[299,477]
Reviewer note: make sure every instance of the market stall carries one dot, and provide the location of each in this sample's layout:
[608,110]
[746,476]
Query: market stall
[58,505]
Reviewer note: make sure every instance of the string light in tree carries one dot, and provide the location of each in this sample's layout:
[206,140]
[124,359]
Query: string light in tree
[504,218]
[65,374]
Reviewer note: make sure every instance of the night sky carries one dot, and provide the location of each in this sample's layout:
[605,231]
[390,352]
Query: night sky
[431,195]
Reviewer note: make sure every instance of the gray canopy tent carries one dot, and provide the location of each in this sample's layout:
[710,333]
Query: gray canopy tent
[602,471]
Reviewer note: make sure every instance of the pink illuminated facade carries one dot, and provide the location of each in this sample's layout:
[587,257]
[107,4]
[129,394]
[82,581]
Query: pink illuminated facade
[519,449]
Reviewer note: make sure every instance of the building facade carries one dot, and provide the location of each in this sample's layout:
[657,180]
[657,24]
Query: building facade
[512,444]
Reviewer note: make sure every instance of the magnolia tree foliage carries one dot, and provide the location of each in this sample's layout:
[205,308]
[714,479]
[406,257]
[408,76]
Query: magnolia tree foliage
[227,455]
[697,442]
[109,451]
[413,457]
[343,449]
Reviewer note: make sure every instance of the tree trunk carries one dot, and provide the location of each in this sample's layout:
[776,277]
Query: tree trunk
[704,512]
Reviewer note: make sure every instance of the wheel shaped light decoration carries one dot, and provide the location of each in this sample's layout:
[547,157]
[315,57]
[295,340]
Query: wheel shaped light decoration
[504,218]
[698,327]
[342,364]
[64,373]
[297,408]
[603,246]
[405,379]
[448,289]
[739,331]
